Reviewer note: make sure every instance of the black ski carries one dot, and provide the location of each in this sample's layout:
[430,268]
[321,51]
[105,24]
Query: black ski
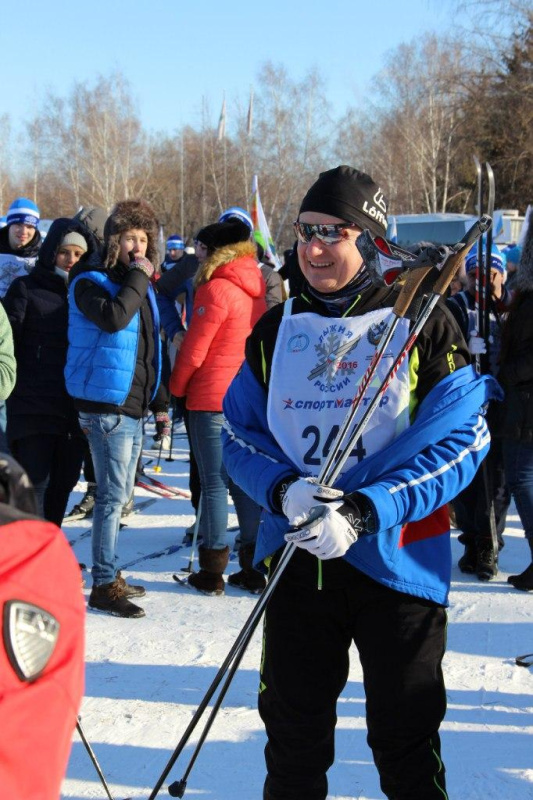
[483,302]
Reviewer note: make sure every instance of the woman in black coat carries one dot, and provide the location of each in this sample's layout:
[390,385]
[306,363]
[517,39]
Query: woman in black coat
[516,377]
[42,425]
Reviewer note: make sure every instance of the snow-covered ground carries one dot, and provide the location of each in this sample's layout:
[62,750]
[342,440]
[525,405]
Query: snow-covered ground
[146,677]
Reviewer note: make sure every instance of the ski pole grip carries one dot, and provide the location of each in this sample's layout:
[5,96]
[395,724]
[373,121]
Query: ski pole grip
[409,289]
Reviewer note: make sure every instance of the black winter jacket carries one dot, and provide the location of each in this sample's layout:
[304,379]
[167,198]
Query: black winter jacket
[516,371]
[37,308]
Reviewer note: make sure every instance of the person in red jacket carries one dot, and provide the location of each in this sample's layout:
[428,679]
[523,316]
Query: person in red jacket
[41,647]
[229,299]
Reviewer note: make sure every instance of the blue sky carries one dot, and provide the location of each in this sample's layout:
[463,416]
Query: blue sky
[173,52]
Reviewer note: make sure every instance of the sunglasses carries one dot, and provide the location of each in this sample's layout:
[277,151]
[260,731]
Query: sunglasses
[327,234]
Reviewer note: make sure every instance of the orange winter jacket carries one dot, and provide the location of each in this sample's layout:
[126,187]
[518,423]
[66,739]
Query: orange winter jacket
[229,299]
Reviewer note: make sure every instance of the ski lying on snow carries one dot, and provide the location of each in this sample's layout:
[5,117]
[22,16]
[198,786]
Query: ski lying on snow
[157,487]
[166,551]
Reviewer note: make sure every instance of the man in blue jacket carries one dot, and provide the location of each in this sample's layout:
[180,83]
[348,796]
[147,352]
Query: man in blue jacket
[375,569]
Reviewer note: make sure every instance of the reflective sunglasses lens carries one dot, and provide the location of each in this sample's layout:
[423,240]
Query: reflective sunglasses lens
[328,234]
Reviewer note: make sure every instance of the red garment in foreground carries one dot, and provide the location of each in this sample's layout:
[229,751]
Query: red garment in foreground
[38,718]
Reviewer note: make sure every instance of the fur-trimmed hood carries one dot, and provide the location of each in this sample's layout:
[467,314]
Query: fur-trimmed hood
[128,215]
[524,275]
[222,256]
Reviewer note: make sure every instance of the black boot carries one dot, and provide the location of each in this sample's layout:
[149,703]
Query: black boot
[524,581]
[487,560]
[467,562]
[247,578]
[209,579]
[111,598]
[86,505]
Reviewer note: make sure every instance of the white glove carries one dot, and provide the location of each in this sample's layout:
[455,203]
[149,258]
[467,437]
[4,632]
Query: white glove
[329,535]
[476,344]
[303,495]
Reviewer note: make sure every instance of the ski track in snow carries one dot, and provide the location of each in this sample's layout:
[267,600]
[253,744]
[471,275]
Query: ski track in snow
[145,678]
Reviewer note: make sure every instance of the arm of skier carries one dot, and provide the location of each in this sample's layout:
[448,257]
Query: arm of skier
[109,313]
[431,478]
[169,317]
[251,455]
[15,303]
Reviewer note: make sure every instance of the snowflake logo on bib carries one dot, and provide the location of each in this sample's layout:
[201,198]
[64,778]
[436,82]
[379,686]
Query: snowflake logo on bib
[333,351]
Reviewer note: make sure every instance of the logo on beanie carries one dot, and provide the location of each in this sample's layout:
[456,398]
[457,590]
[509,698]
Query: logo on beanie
[377,211]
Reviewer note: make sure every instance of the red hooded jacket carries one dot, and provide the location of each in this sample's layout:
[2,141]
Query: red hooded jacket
[229,299]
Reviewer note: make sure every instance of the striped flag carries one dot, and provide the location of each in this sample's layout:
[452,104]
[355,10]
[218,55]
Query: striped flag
[261,229]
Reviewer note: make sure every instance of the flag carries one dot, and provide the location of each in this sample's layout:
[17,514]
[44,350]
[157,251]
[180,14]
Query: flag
[261,230]
[222,122]
[525,225]
[392,232]
[250,114]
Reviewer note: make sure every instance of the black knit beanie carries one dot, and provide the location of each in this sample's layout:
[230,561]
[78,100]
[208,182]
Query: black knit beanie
[350,195]
[220,234]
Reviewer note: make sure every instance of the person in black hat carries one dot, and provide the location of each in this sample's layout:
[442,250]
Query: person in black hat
[373,567]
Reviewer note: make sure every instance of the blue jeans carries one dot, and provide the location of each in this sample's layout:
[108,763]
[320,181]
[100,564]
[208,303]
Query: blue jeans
[518,462]
[115,442]
[205,429]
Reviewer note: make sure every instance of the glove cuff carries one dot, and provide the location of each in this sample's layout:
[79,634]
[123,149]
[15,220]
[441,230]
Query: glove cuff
[359,512]
[280,490]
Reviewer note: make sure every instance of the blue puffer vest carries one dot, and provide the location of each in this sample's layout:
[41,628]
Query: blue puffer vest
[100,366]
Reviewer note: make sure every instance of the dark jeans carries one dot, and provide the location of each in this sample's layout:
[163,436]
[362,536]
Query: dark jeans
[308,634]
[53,464]
[519,470]
[470,506]
[205,430]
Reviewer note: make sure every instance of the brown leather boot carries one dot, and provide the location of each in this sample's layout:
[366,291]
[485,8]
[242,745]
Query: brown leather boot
[209,579]
[248,578]
[111,599]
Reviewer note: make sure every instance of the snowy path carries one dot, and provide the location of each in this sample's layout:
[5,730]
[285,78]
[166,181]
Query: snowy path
[145,678]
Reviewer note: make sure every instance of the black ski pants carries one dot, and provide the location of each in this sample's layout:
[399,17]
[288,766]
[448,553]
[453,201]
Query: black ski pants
[307,636]
[53,463]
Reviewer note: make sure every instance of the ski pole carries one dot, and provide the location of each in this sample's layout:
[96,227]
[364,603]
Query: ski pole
[171,432]
[194,536]
[93,758]
[157,467]
[244,637]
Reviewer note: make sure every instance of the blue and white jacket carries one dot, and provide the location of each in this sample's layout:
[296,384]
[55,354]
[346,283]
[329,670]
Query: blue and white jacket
[408,483]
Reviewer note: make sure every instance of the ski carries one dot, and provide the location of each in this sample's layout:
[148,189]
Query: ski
[166,551]
[157,487]
[486,365]
[524,661]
